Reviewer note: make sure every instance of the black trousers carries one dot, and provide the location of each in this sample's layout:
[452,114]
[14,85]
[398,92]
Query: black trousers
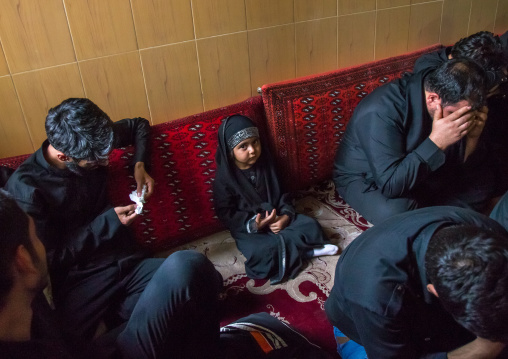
[473,192]
[165,307]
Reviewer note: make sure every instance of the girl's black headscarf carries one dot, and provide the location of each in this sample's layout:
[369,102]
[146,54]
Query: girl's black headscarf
[227,171]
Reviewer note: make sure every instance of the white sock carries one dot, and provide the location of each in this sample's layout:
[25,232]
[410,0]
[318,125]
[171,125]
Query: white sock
[327,250]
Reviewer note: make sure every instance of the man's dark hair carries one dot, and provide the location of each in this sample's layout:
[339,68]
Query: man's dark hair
[13,233]
[80,129]
[457,80]
[468,267]
[483,47]
[486,50]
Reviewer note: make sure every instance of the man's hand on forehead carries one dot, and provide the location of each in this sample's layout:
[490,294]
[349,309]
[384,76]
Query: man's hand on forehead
[446,130]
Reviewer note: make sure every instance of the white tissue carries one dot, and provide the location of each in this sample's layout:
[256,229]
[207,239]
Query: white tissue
[139,200]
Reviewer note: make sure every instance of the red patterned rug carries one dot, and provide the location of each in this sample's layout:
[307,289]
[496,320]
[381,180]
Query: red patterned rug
[307,117]
[183,167]
[298,302]
[239,301]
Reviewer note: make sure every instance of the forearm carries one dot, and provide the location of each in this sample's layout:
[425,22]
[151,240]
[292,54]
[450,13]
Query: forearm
[395,170]
[140,171]
[139,165]
[471,145]
[398,177]
[478,349]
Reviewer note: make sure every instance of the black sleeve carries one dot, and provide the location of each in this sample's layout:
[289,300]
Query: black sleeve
[386,336]
[500,211]
[286,207]
[431,60]
[67,249]
[227,207]
[427,61]
[504,41]
[134,131]
[5,173]
[396,172]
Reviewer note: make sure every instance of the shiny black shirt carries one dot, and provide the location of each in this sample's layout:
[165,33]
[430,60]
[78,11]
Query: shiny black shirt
[379,298]
[72,213]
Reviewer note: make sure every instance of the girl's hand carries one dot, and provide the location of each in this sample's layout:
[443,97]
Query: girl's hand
[263,222]
[280,223]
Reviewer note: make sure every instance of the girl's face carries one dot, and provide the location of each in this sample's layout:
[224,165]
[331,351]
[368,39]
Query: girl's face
[247,152]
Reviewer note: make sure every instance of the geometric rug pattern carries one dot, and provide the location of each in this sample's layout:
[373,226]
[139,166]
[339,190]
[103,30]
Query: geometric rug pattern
[299,301]
[307,117]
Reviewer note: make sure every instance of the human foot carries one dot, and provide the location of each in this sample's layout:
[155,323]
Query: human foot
[326,250]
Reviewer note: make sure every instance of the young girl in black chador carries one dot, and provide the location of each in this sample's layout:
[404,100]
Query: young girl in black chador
[248,200]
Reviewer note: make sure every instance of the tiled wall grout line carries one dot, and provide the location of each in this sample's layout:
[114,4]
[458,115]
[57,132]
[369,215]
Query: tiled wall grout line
[495,16]
[470,12]
[141,63]
[73,48]
[337,30]
[197,57]
[24,116]
[295,39]
[248,54]
[441,21]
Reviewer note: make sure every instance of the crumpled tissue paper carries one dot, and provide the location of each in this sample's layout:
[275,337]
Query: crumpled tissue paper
[139,200]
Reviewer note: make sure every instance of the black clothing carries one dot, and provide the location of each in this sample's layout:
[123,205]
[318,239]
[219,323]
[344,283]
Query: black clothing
[496,128]
[237,201]
[504,42]
[496,132]
[386,163]
[500,211]
[72,213]
[82,234]
[262,336]
[432,60]
[34,349]
[5,173]
[379,298]
[176,316]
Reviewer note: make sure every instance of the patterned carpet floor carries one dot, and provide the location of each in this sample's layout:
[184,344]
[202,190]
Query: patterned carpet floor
[300,301]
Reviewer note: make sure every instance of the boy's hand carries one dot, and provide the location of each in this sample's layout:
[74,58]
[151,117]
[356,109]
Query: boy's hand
[280,223]
[263,222]
[143,178]
[126,214]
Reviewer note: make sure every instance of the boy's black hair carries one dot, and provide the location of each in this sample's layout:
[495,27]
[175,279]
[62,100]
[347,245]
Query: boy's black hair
[468,267]
[457,80]
[80,129]
[13,233]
